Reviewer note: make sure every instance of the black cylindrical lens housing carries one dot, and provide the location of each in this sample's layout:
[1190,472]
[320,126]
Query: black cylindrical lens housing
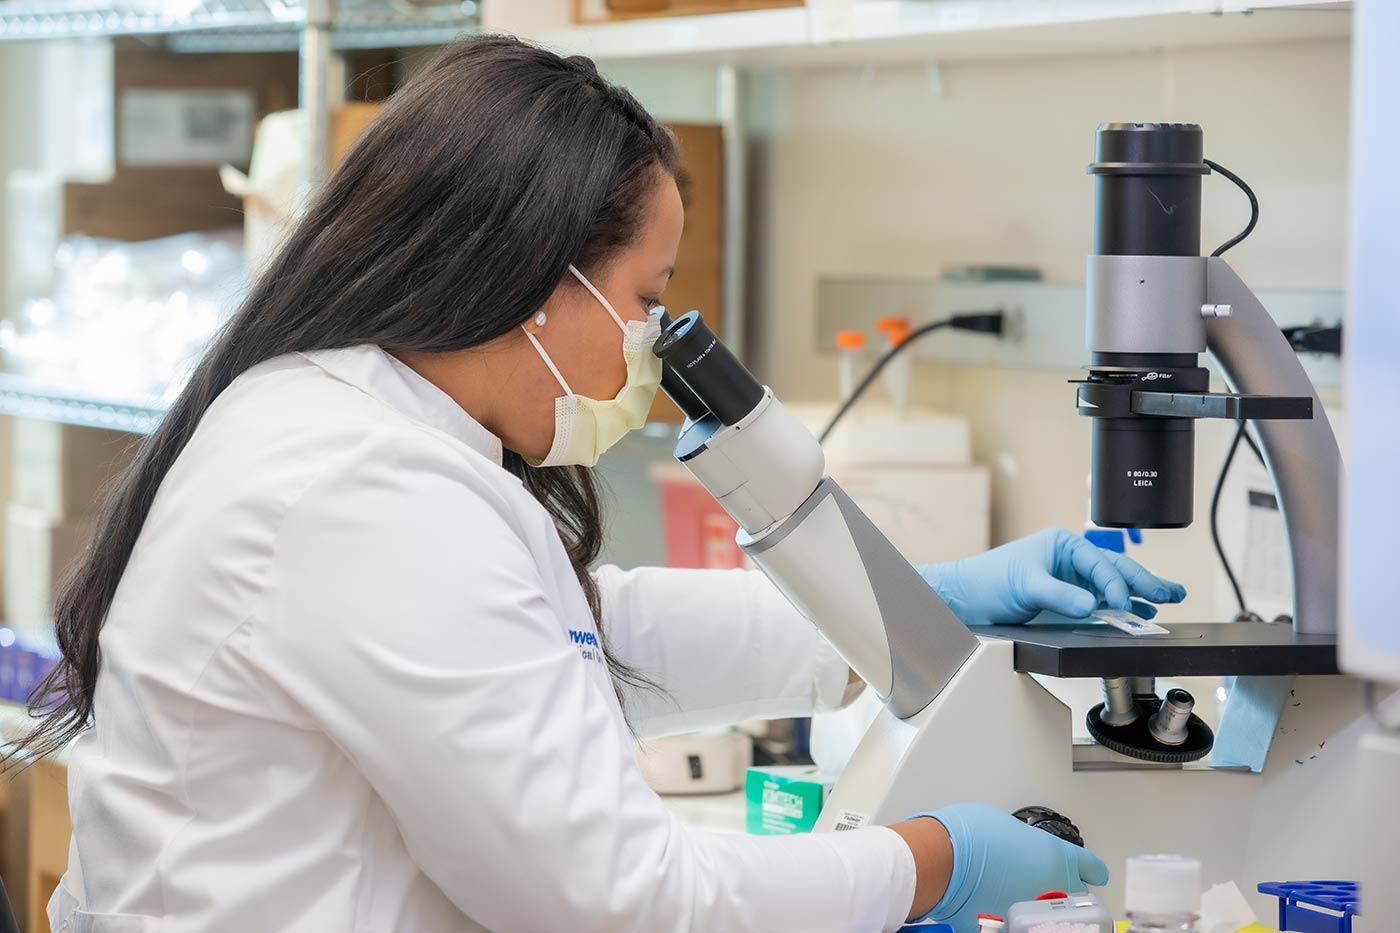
[1143,466]
[1143,472]
[674,386]
[1147,189]
[1147,202]
[691,350]
[677,391]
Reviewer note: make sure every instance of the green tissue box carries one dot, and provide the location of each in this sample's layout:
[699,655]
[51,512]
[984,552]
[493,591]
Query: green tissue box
[783,800]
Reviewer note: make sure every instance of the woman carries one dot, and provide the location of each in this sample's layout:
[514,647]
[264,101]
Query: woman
[335,660]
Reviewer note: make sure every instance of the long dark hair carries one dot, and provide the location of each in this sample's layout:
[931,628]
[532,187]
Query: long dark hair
[450,222]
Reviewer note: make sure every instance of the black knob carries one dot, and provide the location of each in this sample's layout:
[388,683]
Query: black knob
[1056,824]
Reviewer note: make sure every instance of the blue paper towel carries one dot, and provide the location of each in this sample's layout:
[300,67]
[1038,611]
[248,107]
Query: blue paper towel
[1250,719]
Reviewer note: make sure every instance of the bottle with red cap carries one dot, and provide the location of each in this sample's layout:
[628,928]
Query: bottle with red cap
[986,923]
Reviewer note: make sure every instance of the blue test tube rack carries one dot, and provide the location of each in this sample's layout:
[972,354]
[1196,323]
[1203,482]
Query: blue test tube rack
[1315,906]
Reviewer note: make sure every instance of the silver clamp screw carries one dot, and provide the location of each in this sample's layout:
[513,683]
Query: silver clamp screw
[1210,311]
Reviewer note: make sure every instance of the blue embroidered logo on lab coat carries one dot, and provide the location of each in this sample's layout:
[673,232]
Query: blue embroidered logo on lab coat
[588,645]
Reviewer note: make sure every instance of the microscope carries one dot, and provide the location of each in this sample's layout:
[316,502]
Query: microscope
[977,714]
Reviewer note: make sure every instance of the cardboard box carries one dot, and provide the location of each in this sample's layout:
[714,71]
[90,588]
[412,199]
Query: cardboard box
[203,100]
[198,83]
[37,830]
[783,800]
[137,206]
[347,122]
[699,280]
[155,195]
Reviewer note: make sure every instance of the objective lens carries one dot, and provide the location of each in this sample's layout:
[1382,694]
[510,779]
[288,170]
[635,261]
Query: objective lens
[1169,725]
[1119,707]
[1143,465]
[1143,472]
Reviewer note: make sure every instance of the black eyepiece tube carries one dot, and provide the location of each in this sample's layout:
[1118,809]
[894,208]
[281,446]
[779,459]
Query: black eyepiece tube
[1147,189]
[690,350]
[674,386]
[677,391]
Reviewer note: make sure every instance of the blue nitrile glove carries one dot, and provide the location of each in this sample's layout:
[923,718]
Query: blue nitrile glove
[1051,569]
[998,861]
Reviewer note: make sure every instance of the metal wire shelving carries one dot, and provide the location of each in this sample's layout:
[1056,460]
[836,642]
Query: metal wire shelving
[239,25]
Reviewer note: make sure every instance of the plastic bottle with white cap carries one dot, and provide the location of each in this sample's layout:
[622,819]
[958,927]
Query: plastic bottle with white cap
[1163,894]
[986,923]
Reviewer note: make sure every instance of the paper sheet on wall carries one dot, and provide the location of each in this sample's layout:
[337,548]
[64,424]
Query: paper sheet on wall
[1265,571]
[186,127]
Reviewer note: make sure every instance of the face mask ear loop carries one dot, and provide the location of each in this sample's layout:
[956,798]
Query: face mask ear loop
[599,295]
[548,362]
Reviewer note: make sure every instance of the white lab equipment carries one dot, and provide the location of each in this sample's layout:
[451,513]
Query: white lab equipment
[1077,913]
[713,761]
[911,473]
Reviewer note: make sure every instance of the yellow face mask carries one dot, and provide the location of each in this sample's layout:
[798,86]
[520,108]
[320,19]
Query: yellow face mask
[585,427]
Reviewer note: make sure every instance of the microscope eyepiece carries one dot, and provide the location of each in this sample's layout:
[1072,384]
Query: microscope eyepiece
[714,376]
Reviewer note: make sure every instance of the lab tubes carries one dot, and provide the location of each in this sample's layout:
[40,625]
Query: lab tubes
[850,346]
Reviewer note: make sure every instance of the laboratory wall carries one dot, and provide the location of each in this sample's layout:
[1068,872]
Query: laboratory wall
[905,170]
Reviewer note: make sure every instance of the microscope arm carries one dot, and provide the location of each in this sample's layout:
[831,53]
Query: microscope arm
[803,531]
[1302,456]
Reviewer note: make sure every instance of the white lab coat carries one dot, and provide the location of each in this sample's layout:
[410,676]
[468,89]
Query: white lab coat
[349,682]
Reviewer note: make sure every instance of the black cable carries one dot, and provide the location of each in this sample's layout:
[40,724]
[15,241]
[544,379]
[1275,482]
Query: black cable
[1215,524]
[1315,338]
[1253,207]
[1258,454]
[1242,433]
[875,371]
[982,322]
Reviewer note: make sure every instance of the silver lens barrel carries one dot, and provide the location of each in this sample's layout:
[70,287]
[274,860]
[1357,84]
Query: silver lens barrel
[1119,707]
[1168,726]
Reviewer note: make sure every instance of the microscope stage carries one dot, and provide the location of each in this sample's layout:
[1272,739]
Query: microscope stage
[1060,647]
